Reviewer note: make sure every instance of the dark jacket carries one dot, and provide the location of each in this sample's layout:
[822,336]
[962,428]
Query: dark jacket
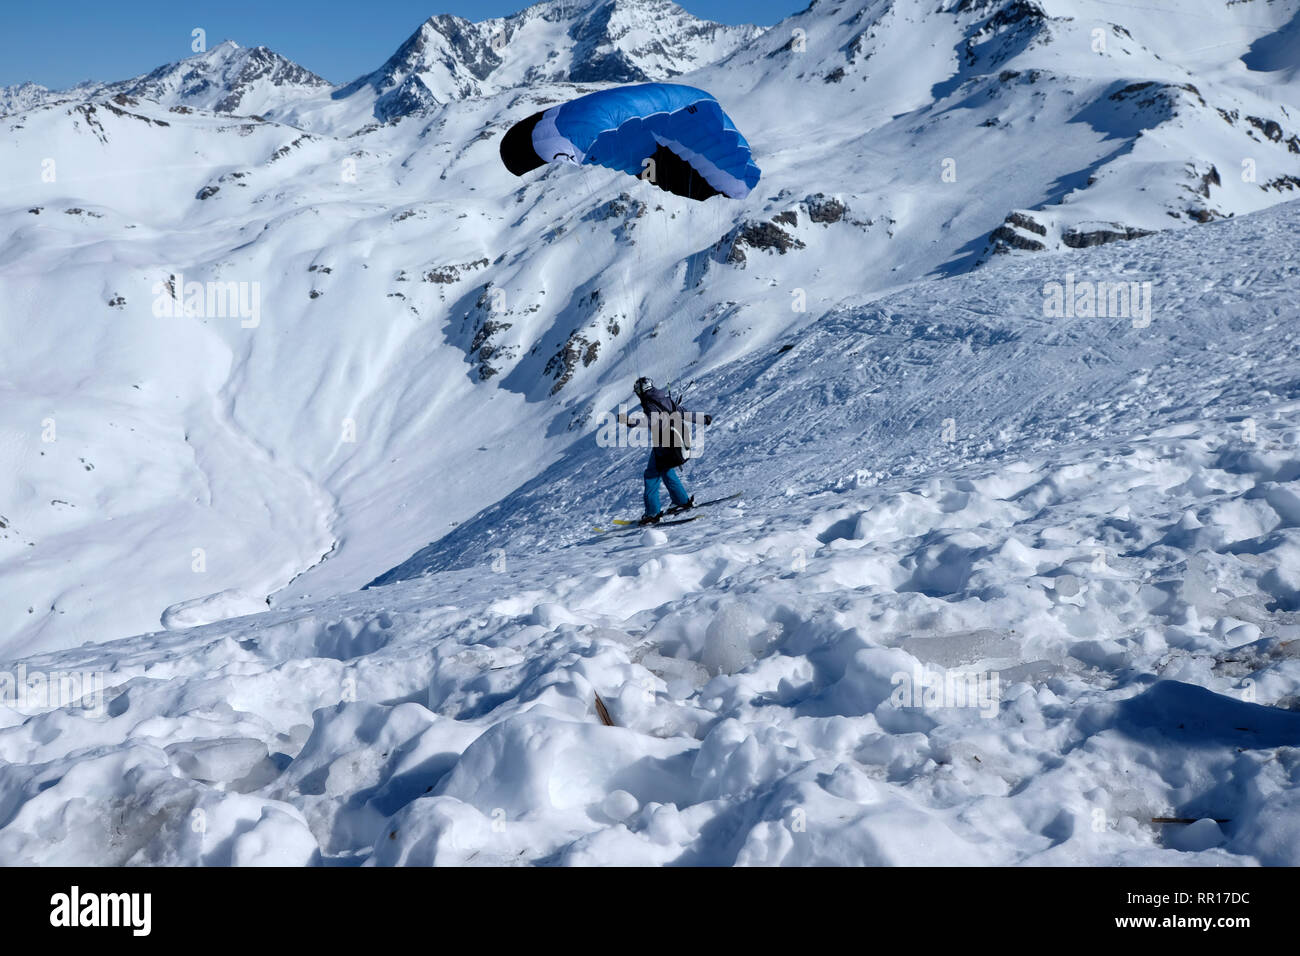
[670,436]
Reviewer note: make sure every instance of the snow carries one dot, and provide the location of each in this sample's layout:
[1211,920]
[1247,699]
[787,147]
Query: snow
[1119,570]
[212,607]
[1004,586]
[296,445]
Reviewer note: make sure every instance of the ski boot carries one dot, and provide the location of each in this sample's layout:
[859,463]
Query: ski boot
[650,519]
[678,509]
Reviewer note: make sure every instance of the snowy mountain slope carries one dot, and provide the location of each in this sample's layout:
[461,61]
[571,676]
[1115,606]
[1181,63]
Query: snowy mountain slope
[943,376]
[903,224]
[1109,534]
[120,448]
[1150,126]
[1278,54]
[434,334]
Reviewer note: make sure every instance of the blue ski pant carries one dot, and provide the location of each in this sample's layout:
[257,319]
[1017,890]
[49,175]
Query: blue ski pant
[669,476]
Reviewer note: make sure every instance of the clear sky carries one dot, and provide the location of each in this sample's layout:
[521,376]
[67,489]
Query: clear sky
[58,43]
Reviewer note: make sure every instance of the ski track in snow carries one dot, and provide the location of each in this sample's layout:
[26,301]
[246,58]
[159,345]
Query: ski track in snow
[1113,531]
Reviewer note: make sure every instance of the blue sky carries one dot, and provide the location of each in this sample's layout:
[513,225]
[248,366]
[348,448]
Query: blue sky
[60,44]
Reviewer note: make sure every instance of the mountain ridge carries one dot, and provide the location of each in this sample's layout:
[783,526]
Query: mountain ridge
[446,58]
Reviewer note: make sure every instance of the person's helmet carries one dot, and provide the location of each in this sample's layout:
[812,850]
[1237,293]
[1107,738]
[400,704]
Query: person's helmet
[642,386]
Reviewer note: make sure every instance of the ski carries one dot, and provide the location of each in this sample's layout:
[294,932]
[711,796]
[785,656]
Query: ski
[704,504]
[634,523]
[629,526]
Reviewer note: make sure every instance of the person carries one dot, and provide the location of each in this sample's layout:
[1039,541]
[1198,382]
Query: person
[669,442]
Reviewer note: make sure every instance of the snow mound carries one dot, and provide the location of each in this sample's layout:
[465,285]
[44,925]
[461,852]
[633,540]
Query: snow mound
[214,607]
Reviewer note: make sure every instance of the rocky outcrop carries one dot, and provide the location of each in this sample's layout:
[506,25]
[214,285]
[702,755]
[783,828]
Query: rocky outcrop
[1011,234]
[824,209]
[482,348]
[581,348]
[446,275]
[1084,238]
[578,348]
[768,236]
[489,323]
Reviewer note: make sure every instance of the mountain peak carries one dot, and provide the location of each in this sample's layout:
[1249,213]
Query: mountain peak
[22,96]
[584,41]
[225,78]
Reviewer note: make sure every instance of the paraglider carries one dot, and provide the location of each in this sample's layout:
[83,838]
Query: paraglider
[676,137]
[669,424]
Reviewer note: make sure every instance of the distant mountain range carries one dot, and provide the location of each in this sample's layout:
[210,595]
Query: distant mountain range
[225,79]
[448,58]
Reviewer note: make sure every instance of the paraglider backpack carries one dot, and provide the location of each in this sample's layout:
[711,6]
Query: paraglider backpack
[672,440]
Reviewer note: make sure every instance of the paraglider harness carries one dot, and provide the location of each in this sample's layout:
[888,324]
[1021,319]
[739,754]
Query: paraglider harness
[670,434]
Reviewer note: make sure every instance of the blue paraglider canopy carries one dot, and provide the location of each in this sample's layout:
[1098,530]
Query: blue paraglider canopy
[677,137]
